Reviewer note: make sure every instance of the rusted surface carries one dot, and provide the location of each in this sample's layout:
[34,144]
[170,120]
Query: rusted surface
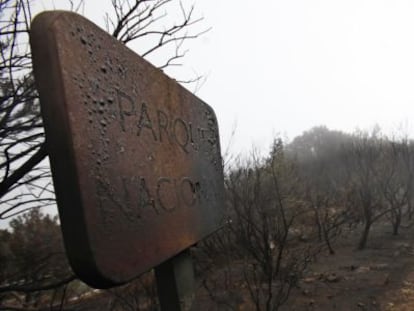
[135,157]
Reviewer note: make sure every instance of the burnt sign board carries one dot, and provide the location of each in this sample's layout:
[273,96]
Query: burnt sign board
[135,157]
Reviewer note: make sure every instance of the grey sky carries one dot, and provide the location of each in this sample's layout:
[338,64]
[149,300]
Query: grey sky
[285,66]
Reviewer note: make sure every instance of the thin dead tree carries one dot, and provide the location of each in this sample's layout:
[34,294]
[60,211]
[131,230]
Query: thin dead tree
[364,192]
[268,257]
[395,178]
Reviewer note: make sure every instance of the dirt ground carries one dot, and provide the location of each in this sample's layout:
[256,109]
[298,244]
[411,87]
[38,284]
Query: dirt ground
[380,277]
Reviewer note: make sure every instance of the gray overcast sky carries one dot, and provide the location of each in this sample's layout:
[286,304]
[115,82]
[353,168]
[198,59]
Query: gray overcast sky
[284,66]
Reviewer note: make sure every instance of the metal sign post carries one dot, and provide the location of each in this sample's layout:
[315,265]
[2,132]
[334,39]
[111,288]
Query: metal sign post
[175,282]
[135,157]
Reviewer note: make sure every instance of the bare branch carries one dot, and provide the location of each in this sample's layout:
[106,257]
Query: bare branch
[41,285]
[6,184]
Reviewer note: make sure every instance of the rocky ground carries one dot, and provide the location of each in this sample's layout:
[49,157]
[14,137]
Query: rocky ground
[380,277]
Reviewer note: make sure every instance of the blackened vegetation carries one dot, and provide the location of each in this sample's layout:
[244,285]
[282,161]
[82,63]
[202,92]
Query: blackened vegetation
[283,210]
[287,208]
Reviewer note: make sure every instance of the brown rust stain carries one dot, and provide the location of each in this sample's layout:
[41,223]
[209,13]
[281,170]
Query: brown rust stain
[135,157]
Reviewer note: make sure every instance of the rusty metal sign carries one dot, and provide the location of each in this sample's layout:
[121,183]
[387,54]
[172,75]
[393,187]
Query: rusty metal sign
[135,157]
